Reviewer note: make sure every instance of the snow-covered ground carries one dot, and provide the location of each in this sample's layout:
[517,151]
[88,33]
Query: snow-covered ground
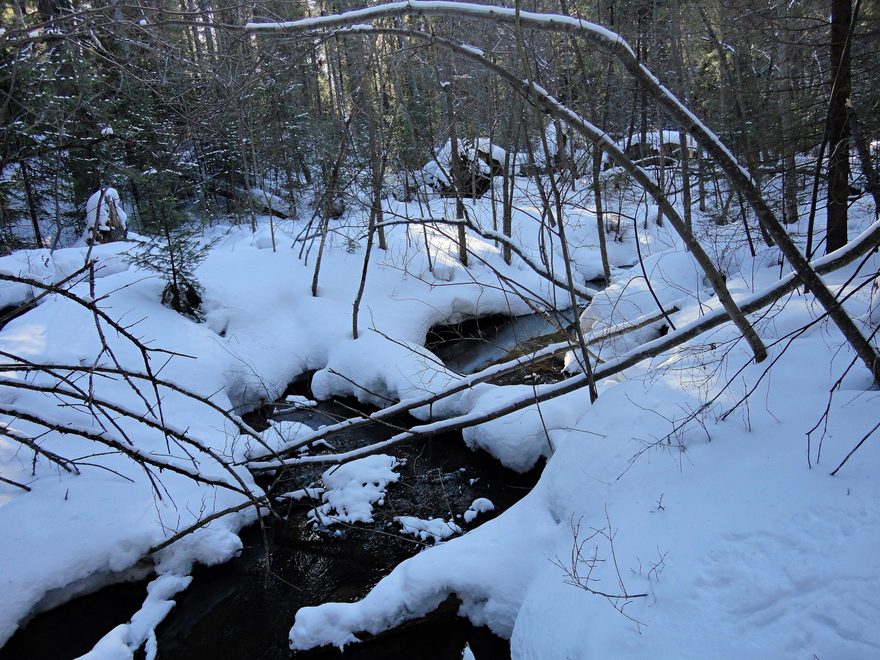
[697,516]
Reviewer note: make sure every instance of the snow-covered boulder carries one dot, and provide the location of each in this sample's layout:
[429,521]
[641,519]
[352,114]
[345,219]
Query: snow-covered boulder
[106,220]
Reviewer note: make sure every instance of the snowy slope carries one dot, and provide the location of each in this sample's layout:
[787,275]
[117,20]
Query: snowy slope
[741,548]
[262,329]
[708,532]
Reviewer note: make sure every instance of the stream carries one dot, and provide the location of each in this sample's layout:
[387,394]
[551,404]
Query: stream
[245,607]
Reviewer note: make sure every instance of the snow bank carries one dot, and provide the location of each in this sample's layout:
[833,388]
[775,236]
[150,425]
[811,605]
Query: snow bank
[262,329]
[380,372]
[435,529]
[474,150]
[739,546]
[704,526]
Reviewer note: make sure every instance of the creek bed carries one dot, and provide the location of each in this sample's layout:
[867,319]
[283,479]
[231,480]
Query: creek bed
[245,607]
[475,344]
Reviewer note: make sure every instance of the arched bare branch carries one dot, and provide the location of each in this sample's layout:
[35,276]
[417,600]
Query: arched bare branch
[616,46]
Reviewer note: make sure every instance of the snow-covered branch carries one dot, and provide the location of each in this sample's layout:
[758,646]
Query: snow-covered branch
[714,318]
[614,45]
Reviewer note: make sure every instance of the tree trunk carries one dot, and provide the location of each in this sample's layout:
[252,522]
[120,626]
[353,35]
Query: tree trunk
[838,126]
[456,172]
[33,211]
[600,216]
[789,139]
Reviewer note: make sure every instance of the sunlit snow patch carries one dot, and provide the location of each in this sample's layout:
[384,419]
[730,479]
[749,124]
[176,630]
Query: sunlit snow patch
[436,529]
[479,505]
[353,489]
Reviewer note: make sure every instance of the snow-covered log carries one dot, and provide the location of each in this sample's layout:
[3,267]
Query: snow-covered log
[616,46]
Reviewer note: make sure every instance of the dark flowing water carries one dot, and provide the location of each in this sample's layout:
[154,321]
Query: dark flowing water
[244,608]
[72,629]
[473,345]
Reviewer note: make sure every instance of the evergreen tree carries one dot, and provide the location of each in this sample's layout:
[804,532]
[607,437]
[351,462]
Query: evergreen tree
[174,249]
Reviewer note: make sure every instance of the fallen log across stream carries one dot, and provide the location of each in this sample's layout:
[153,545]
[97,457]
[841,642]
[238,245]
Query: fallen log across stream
[863,244]
[485,375]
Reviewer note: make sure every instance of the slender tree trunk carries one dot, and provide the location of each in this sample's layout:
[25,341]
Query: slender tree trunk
[838,126]
[600,215]
[507,205]
[701,179]
[33,211]
[330,193]
[456,171]
[684,157]
[789,140]
[371,100]
[356,306]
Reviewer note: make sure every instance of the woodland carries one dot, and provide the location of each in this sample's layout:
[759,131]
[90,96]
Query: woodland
[557,320]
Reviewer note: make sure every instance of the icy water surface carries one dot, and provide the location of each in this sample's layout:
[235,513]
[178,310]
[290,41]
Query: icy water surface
[473,345]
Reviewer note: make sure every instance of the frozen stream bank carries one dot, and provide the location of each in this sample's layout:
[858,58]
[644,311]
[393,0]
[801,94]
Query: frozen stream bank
[243,609]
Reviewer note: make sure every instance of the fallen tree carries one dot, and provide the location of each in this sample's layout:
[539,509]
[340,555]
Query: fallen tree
[614,45]
[864,244]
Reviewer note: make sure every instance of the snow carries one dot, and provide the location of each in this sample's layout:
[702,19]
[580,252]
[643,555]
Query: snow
[474,50]
[101,207]
[439,168]
[485,145]
[265,199]
[743,549]
[280,434]
[297,402]
[107,130]
[126,638]
[656,139]
[435,529]
[261,330]
[552,138]
[671,273]
[874,308]
[527,18]
[740,547]
[478,506]
[304,493]
[352,489]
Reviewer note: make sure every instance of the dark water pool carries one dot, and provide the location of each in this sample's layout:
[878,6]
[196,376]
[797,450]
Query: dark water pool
[472,345]
[245,608]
